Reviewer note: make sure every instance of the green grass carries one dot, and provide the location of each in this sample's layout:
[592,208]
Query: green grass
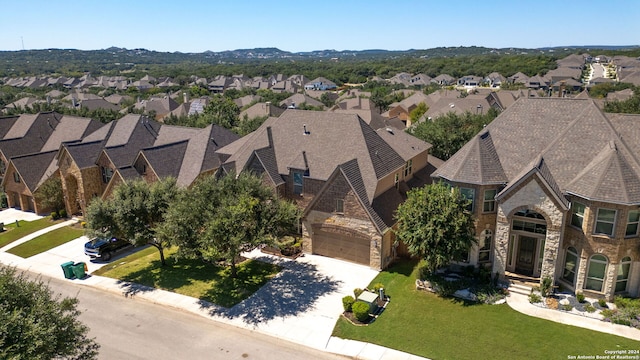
[191,277]
[14,233]
[46,241]
[421,323]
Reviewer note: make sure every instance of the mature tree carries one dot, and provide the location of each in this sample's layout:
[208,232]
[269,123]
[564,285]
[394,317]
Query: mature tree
[34,324]
[222,111]
[379,97]
[221,218]
[448,133]
[435,224]
[49,194]
[327,100]
[134,213]
[417,112]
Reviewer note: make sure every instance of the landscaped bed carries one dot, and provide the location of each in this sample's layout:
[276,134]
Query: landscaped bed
[191,277]
[425,324]
[46,241]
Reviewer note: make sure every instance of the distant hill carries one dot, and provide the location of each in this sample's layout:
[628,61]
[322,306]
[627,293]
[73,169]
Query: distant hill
[115,59]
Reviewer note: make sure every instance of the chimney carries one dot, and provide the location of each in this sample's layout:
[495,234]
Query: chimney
[268,105]
[185,97]
[270,136]
[48,100]
[73,102]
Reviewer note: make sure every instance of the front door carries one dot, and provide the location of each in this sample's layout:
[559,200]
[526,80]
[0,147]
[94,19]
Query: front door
[526,255]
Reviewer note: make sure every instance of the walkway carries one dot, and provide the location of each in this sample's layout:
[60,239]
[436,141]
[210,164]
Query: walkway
[301,304]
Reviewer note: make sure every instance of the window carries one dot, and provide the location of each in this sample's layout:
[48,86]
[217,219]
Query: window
[16,177]
[632,223]
[408,167]
[489,204]
[605,222]
[107,174]
[297,183]
[468,194]
[570,265]
[595,274]
[577,214]
[396,180]
[339,206]
[623,274]
[484,251]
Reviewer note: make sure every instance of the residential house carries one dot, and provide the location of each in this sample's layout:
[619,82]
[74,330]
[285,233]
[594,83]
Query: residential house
[28,148]
[444,79]
[320,83]
[555,191]
[296,100]
[470,81]
[259,110]
[135,147]
[346,177]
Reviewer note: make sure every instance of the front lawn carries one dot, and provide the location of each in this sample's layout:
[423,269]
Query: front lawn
[424,324]
[191,277]
[13,232]
[46,241]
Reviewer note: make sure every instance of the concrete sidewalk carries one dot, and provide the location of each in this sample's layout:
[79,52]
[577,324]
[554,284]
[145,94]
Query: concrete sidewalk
[301,304]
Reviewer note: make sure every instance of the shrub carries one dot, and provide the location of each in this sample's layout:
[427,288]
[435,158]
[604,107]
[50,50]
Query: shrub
[347,302]
[534,298]
[357,292]
[567,307]
[580,297]
[360,311]
[62,213]
[602,303]
[54,215]
[377,287]
[622,302]
[589,308]
[546,286]
[83,224]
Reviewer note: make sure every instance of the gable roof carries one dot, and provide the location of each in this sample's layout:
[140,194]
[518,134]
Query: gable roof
[34,169]
[331,139]
[570,135]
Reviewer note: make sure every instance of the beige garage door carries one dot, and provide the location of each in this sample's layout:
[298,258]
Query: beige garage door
[341,246]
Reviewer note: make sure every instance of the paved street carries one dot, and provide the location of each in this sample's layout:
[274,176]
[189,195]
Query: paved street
[133,329]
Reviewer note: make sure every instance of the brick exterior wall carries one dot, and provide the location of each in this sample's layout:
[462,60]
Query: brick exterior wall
[79,186]
[613,248]
[145,170]
[18,195]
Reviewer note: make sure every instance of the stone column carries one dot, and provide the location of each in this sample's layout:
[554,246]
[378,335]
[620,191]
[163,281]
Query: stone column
[501,248]
[581,272]
[609,287]
[551,246]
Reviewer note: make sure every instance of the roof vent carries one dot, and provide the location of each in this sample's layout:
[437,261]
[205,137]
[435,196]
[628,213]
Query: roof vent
[389,130]
[305,131]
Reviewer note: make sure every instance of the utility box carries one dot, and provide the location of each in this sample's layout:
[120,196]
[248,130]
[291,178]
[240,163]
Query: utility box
[371,299]
[79,270]
[67,268]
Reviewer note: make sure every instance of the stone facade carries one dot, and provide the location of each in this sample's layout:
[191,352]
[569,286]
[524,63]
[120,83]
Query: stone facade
[530,195]
[79,186]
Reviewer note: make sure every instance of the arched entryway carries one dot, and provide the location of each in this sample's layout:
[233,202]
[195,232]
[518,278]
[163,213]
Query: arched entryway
[526,243]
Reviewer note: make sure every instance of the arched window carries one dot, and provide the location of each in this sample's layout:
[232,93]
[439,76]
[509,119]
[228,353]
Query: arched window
[570,265]
[484,246]
[596,272]
[623,274]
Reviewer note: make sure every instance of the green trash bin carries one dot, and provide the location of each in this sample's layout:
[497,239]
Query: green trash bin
[67,269]
[79,270]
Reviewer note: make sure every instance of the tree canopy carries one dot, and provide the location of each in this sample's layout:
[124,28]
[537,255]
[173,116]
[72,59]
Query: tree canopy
[134,212]
[35,324]
[435,225]
[448,133]
[218,219]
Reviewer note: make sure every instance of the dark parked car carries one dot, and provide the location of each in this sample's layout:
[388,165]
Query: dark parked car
[104,248]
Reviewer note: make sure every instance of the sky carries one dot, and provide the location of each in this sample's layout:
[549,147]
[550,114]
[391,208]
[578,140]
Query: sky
[305,25]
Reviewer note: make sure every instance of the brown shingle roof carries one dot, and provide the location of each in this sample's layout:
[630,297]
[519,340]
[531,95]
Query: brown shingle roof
[570,135]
